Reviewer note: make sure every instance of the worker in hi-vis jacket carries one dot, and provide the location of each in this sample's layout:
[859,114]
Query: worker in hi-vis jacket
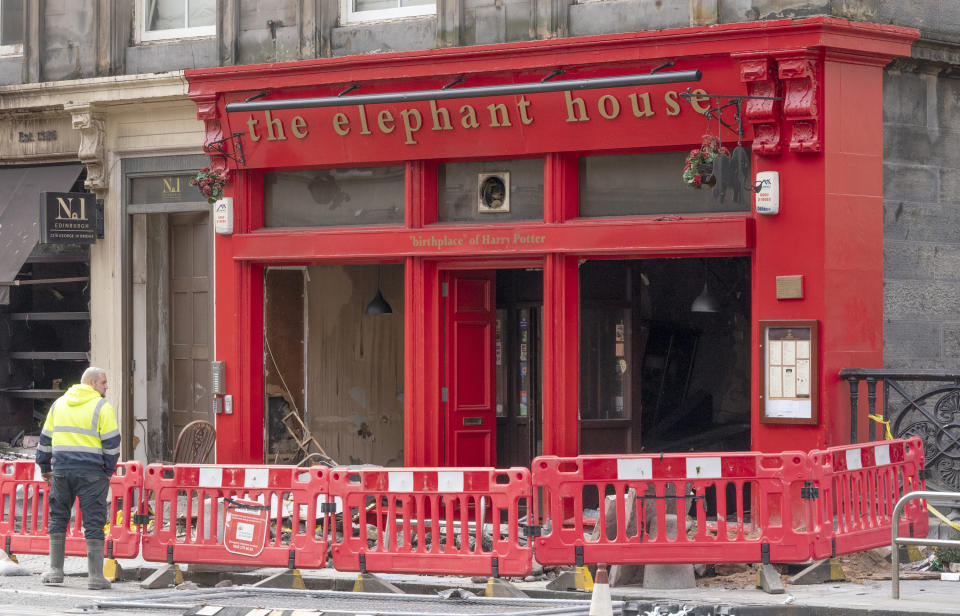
[77,455]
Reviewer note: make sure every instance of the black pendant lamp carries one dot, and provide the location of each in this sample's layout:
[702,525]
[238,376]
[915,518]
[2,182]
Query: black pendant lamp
[378,305]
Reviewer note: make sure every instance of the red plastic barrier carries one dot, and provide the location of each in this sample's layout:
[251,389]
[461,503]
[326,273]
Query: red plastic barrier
[25,510]
[264,516]
[859,487]
[730,506]
[457,521]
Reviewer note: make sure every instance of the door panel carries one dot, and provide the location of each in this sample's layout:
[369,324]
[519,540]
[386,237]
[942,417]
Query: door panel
[470,309]
[190,316]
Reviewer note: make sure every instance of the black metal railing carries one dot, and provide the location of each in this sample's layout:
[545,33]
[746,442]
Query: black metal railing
[924,403]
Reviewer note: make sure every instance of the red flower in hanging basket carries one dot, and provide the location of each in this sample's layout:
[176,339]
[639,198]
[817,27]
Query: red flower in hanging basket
[211,183]
[698,167]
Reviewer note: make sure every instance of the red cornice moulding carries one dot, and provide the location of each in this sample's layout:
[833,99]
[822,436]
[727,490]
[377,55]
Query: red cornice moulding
[739,38]
[722,234]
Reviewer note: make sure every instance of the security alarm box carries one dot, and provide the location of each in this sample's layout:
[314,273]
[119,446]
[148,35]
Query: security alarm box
[768,192]
[223,216]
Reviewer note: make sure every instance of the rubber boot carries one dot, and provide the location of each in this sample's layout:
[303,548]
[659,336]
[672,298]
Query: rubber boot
[95,579]
[55,574]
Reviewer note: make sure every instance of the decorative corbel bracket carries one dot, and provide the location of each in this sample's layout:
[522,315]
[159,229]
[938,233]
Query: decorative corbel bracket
[91,153]
[762,113]
[213,137]
[800,106]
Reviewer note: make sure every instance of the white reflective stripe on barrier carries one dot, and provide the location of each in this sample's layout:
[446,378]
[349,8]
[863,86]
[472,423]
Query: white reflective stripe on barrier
[449,481]
[210,478]
[633,468]
[703,468]
[881,454]
[400,481]
[256,478]
[853,459]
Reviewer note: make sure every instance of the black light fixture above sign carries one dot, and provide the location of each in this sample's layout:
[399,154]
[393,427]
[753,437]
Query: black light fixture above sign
[449,93]
[68,218]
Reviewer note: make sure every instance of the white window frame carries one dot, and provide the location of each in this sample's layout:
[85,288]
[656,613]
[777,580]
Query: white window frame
[172,33]
[350,16]
[15,49]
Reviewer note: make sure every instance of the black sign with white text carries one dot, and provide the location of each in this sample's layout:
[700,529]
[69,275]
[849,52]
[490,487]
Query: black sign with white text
[68,218]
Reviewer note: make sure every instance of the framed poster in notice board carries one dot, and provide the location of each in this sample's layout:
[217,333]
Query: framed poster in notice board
[788,372]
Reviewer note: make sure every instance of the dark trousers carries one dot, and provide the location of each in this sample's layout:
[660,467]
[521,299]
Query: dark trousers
[91,488]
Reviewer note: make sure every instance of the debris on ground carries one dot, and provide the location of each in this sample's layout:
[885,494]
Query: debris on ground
[9,568]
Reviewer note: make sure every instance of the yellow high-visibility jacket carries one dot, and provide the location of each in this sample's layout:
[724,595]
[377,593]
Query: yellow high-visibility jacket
[80,433]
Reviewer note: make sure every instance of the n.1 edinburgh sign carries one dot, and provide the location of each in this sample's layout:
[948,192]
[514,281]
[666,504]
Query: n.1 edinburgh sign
[68,218]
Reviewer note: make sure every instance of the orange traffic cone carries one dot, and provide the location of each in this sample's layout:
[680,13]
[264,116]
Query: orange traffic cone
[600,604]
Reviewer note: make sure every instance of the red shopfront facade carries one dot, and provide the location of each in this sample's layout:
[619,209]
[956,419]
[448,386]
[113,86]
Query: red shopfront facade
[513,309]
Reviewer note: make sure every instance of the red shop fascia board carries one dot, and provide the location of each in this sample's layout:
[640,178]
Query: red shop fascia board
[539,123]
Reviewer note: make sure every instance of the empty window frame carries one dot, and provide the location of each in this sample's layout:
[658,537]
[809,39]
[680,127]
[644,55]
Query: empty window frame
[11,27]
[352,11]
[169,19]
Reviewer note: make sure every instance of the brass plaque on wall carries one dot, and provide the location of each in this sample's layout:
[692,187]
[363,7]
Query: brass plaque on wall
[789,287]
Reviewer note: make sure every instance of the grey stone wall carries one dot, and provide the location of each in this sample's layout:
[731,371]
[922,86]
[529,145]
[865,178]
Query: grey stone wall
[921,216]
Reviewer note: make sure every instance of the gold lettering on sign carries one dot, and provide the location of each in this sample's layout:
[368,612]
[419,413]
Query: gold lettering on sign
[644,110]
[437,113]
[341,124]
[468,117]
[274,123]
[697,101]
[609,106]
[410,127]
[385,121]
[499,115]
[65,210]
[581,109]
[364,130]
[251,126]
[299,127]
[522,105]
[673,107]
[171,185]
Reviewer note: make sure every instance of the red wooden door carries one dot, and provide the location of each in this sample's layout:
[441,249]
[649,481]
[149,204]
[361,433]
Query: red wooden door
[469,374]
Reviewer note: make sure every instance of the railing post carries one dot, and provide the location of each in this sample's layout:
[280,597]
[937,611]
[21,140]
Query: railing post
[872,405]
[854,401]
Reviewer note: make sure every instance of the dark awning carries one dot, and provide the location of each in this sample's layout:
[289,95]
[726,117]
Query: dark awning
[20,189]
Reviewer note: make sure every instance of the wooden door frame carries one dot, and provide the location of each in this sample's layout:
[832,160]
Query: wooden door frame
[443,271]
[210,314]
[131,168]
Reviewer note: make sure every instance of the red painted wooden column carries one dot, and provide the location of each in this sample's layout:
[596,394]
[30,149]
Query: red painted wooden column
[561,316]
[422,419]
[561,356]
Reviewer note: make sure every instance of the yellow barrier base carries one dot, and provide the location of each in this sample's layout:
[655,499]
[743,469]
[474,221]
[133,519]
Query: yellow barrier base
[582,579]
[112,570]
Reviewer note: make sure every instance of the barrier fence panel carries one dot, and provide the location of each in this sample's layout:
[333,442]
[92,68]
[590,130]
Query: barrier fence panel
[264,516]
[24,498]
[860,485]
[672,508]
[457,521]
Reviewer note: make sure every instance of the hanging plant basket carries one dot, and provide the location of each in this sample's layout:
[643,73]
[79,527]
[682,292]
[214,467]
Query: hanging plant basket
[698,167]
[211,183]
